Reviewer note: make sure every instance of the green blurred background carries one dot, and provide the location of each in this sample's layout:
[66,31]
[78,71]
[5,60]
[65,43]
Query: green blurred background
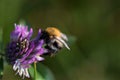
[92,26]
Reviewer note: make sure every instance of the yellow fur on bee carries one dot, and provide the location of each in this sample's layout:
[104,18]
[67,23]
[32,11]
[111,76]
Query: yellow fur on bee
[53,31]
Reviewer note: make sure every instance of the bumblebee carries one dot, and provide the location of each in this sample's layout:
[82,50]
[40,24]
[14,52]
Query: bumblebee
[54,39]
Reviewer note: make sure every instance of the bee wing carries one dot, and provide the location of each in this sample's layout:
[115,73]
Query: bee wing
[61,40]
[64,36]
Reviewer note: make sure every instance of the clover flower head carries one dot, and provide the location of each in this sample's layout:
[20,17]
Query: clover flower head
[22,51]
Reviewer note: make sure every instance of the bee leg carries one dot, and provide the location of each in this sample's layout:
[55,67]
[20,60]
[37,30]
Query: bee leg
[64,37]
[54,49]
[65,44]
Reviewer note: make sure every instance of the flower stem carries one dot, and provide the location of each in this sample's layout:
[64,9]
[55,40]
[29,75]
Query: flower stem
[35,71]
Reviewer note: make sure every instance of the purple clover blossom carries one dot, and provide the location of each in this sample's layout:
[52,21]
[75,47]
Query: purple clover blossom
[22,51]
[21,32]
